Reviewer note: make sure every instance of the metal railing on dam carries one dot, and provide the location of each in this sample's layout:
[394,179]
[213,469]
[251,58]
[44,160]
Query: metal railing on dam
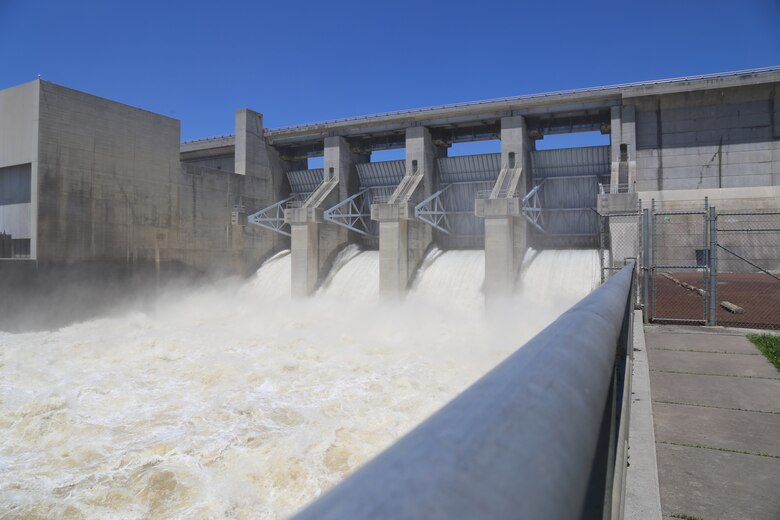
[543,435]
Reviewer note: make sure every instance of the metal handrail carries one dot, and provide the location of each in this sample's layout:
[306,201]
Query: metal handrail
[542,435]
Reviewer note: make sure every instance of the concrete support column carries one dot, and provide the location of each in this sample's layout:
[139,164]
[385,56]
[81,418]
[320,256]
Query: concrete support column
[629,138]
[315,242]
[403,240]
[264,183]
[505,227]
[623,148]
[515,143]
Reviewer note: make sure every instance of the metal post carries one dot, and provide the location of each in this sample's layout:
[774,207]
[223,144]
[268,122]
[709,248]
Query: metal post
[602,219]
[713,271]
[652,256]
[706,247]
[646,266]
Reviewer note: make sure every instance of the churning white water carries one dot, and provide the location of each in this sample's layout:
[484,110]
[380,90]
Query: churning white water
[233,401]
[354,276]
[455,277]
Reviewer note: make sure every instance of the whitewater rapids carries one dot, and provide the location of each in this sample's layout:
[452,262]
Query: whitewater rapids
[233,401]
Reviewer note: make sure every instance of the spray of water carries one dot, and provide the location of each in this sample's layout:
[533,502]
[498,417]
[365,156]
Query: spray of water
[234,401]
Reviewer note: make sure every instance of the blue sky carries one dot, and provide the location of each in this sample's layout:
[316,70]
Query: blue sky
[299,62]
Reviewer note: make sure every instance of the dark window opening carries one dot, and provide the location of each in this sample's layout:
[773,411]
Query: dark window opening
[623,152]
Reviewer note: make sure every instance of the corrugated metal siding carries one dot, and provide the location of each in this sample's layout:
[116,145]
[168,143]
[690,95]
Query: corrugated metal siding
[468,168]
[305,181]
[571,178]
[569,192]
[565,162]
[567,222]
[382,173]
[460,200]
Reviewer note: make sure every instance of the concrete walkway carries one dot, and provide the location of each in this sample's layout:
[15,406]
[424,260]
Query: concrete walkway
[716,408]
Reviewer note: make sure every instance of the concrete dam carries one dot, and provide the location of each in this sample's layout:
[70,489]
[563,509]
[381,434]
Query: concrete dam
[213,328]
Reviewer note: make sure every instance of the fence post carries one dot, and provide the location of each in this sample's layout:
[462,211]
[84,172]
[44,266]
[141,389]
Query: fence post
[652,256]
[712,294]
[706,246]
[646,265]
[602,219]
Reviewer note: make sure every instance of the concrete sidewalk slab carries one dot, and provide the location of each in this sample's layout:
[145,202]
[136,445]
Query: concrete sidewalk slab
[718,428]
[708,342]
[717,364]
[714,484]
[720,391]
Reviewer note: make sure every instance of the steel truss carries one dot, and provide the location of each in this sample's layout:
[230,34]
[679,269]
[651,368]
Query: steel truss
[433,210]
[272,217]
[531,208]
[353,213]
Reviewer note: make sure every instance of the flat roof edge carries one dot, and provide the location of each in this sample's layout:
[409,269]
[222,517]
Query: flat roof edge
[632,89]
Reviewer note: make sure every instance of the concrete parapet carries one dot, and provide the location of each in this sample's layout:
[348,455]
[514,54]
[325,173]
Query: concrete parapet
[392,212]
[495,208]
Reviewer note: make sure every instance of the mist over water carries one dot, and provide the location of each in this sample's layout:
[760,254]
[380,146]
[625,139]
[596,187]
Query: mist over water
[232,400]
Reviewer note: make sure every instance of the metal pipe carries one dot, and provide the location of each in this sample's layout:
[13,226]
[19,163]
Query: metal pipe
[519,443]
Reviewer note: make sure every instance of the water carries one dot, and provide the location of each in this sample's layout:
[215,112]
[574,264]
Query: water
[233,401]
[454,277]
[354,276]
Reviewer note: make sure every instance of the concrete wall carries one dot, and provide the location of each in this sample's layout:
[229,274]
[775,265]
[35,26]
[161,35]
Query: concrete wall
[717,138]
[106,173]
[112,189]
[19,162]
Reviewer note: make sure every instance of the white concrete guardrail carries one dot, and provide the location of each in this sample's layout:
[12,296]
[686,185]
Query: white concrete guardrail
[541,436]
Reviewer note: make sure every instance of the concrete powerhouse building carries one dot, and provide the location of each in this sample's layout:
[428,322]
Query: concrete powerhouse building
[95,186]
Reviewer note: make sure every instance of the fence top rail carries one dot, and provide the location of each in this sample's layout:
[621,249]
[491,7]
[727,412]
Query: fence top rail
[748,213]
[671,212]
[520,442]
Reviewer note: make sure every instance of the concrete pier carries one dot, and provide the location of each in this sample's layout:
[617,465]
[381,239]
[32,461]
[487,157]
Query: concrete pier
[403,240]
[315,242]
[623,139]
[505,228]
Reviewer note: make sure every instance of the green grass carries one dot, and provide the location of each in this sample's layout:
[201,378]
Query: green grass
[685,516]
[769,345]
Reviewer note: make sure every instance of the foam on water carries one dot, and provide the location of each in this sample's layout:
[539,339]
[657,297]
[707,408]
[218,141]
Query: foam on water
[235,401]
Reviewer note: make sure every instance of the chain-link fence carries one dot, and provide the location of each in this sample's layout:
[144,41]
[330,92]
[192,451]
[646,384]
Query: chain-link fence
[698,265]
[747,268]
[678,265]
[621,241]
